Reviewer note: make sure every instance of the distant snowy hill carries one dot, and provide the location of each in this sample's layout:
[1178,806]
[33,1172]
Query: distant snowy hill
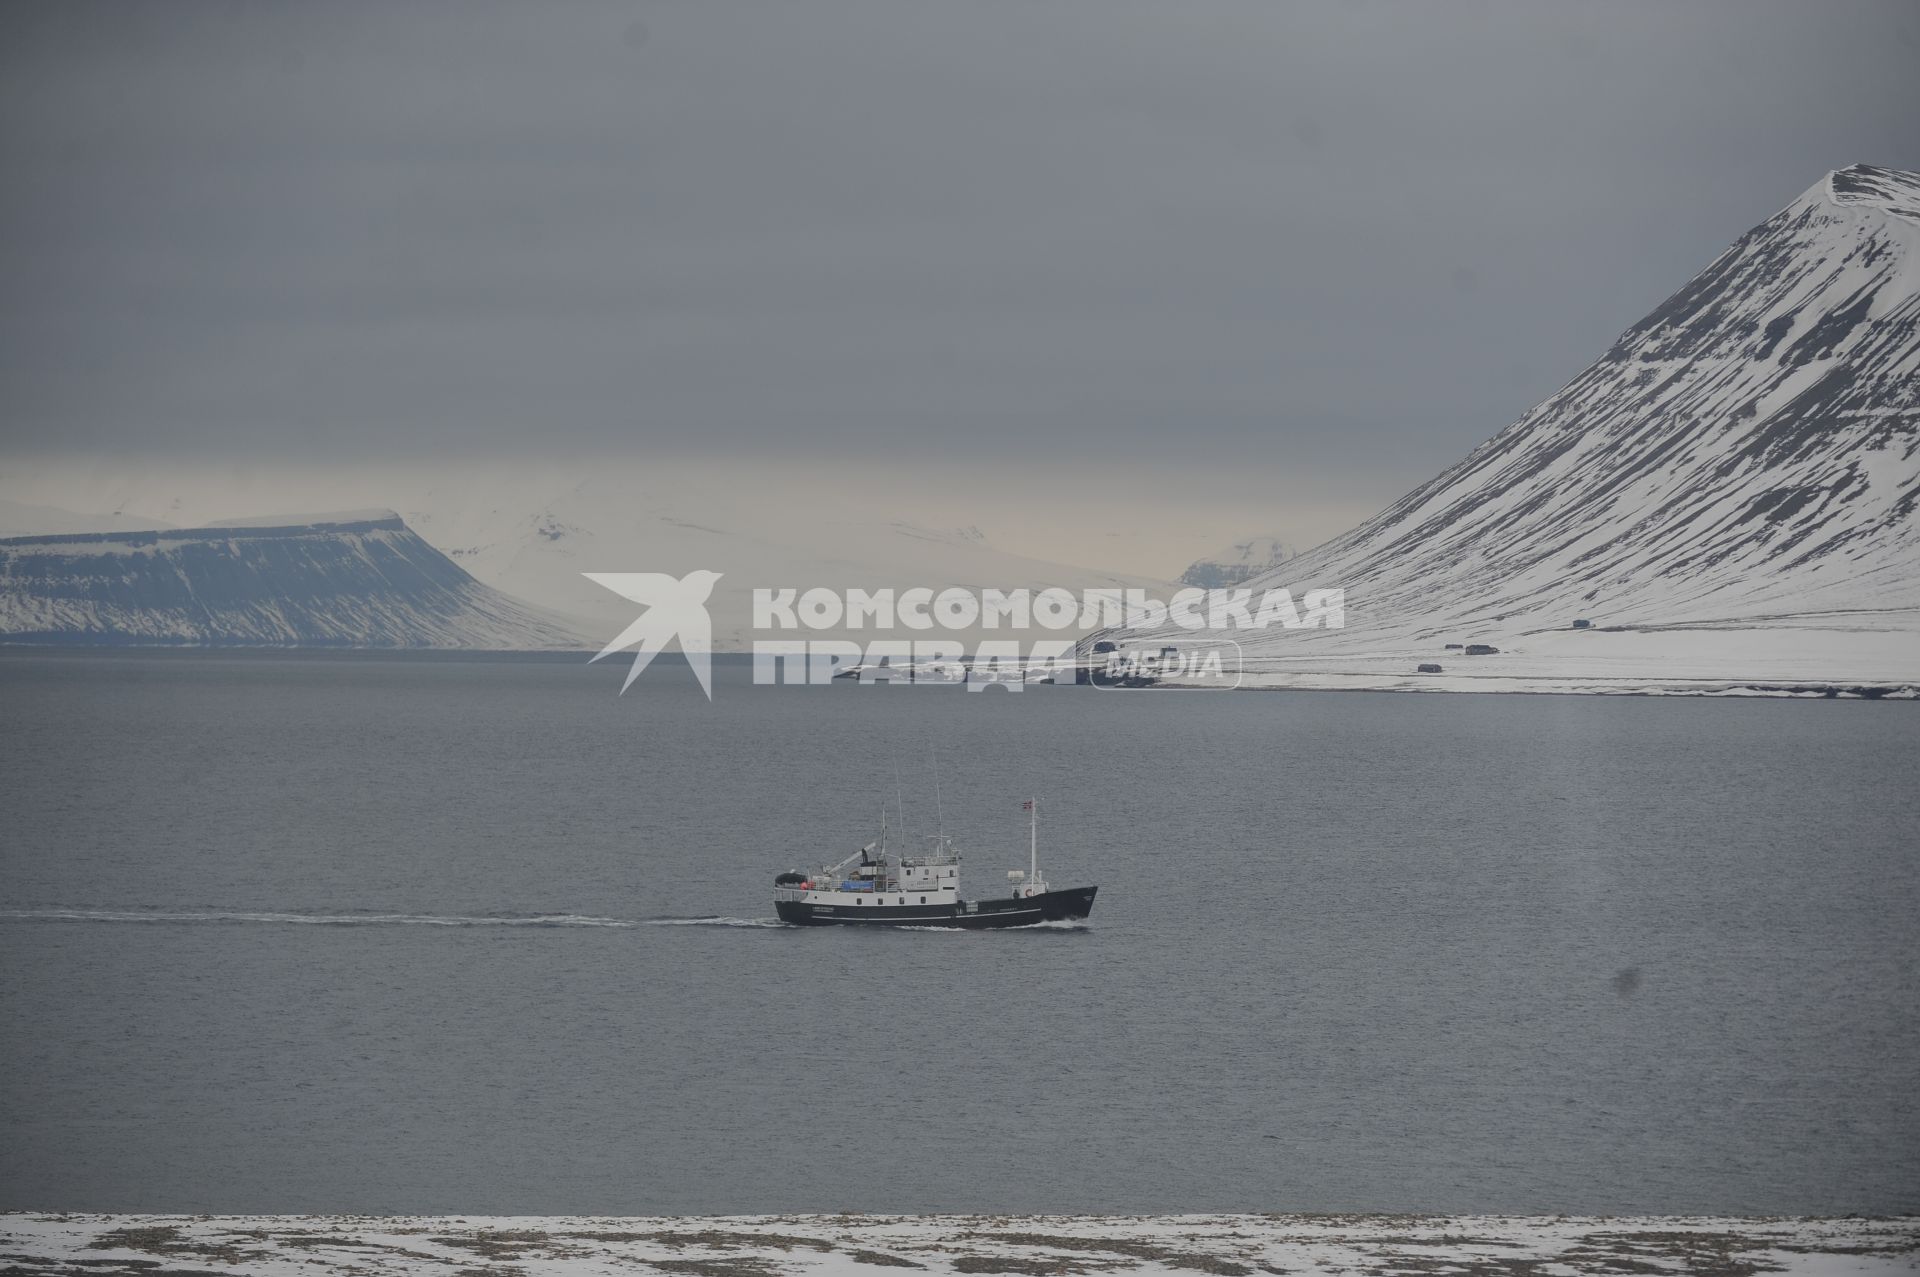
[1239,562]
[357,580]
[20,518]
[1727,496]
[532,530]
[534,538]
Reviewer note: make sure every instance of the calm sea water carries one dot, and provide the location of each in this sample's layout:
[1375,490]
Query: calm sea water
[267,946]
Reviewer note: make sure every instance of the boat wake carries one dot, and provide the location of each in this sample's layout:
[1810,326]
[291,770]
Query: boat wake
[155,916]
[1056,924]
[159,917]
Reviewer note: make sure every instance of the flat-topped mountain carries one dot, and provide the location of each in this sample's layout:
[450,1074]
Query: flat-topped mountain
[357,580]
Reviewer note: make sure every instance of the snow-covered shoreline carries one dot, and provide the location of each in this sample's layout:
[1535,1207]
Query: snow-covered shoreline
[1721,689]
[1861,655]
[77,1245]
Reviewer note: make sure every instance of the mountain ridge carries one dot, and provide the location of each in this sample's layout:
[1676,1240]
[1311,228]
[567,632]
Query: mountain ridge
[349,582]
[1896,190]
[1747,454]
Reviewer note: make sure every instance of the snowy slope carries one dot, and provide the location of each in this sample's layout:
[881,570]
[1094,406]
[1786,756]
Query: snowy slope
[1727,495]
[358,580]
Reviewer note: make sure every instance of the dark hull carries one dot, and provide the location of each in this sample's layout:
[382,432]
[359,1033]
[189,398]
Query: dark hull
[1069,905]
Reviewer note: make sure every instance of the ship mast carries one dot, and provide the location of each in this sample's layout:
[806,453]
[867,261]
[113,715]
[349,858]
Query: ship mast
[939,812]
[899,802]
[1033,835]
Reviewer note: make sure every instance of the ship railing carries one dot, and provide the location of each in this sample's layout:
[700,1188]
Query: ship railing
[795,893]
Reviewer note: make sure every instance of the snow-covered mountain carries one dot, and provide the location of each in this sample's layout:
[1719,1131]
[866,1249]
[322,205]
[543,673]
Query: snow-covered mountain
[1241,561]
[532,530]
[357,580]
[1726,496]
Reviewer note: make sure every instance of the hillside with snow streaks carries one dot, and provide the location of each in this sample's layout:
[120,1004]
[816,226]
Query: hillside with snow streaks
[1742,468]
[360,580]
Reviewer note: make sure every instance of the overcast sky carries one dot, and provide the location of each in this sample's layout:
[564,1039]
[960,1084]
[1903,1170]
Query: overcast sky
[1308,250]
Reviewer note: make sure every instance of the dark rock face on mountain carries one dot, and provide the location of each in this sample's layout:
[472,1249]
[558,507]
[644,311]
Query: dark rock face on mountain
[353,582]
[1241,561]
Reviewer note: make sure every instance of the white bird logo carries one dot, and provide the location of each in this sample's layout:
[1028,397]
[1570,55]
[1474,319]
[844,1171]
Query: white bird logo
[676,607]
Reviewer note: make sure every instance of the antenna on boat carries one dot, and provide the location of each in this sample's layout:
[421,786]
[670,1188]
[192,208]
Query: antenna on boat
[1033,835]
[899,803]
[939,812]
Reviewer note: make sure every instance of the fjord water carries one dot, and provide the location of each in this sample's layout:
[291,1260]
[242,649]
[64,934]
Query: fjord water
[304,933]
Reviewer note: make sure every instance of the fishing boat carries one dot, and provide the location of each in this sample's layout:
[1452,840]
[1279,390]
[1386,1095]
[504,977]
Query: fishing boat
[878,886]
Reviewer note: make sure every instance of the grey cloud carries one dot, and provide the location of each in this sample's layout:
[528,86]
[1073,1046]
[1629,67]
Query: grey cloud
[1182,232]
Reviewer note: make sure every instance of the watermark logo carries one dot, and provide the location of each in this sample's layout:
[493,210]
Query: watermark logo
[1129,638]
[1201,661]
[676,608]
